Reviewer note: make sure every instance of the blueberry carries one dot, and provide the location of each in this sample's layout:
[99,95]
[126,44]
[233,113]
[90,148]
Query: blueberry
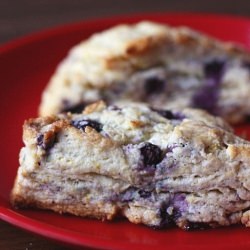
[168,114]
[214,68]
[144,194]
[46,144]
[154,85]
[40,140]
[114,108]
[168,219]
[151,154]
[82,124]
[78,108]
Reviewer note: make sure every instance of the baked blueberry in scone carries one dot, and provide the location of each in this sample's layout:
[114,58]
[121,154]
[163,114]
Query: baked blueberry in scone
[167,67]
[156,167]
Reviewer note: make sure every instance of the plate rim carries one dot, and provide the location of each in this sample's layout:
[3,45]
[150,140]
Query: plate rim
[64,27]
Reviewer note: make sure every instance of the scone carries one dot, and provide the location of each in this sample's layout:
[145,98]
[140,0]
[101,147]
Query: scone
[155,167]
[164,66]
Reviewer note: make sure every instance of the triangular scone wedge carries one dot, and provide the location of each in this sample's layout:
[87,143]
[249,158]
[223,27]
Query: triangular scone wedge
[167,67]
[156,167]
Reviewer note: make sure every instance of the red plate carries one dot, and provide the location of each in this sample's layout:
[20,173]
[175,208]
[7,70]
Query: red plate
[26,66]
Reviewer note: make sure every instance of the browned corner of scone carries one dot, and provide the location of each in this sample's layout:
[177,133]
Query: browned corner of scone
[47,179]
[16,199]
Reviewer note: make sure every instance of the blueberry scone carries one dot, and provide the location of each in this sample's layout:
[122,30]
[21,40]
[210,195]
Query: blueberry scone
[155,167]
[164,66]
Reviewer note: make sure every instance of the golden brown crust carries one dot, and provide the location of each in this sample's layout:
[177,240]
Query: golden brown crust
[100,210]
[95,107]
[144,45]
[245,219]
[237,152]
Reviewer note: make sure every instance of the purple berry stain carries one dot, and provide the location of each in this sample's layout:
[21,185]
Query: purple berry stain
[207,96]
[128,195]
